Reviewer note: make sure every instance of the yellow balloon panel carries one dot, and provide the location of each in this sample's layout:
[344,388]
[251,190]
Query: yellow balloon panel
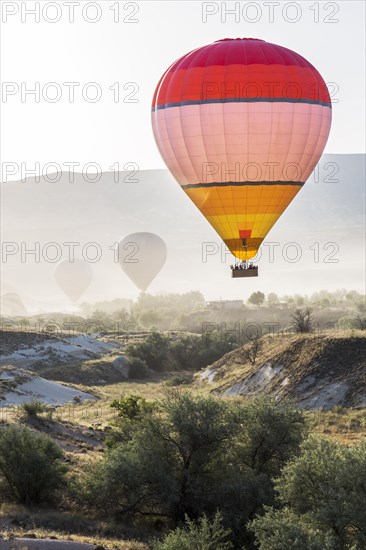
[242,215]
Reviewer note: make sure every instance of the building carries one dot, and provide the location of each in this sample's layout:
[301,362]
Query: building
[225,304]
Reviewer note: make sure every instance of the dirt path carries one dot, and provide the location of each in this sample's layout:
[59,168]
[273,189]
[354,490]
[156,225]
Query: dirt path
[42,544]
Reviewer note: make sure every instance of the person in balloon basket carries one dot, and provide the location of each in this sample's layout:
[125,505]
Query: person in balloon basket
[243,265]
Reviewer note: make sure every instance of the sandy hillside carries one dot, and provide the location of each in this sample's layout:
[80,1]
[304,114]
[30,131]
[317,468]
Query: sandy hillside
[318,371]
[26,358]
[27,349]
[19,386]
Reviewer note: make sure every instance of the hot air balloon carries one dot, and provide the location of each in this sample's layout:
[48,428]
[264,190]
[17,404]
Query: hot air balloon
[141,256]
[12,305]
[241,124]
[73,277]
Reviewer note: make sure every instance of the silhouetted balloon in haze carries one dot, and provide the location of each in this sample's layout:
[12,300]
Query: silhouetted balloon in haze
[141,256]
[73,278]
[11,304]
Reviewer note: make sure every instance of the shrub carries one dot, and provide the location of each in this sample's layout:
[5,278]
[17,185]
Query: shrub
[30,465]
[138,368]
[186,352]
[284,530]
[327,483]
[153,350]
[257,298]
[358,322]
[270,435]
[132,406]
[252,349]
[195,353]
[131,411]
[203,535]
[33,408]
[302,320]
[179,380]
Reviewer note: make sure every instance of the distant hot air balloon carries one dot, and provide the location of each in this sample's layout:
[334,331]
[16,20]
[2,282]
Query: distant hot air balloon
[241,124]
[12,305]
[73,277]
[141,256]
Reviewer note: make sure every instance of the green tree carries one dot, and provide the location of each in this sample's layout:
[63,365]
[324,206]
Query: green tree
[30,465]
[161,469]
[153,350]
[257,298]
[150,317]
[273,299]
[195,353]
[196,455]
[270,434]
[203,535]
[327,482]
[184,351]
[360,322]
[284,530]
[299,300]
[132,407]
[138,368]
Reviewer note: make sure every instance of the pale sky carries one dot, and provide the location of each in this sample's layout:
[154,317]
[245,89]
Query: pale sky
[121,56]
[134,51]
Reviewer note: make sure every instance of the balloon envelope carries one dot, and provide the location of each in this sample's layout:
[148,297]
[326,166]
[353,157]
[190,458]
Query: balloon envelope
[141,256]
[11,304]
[241,124]
[73,278]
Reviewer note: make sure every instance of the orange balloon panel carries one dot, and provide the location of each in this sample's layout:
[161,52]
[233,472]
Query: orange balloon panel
[242,215]
[241,124]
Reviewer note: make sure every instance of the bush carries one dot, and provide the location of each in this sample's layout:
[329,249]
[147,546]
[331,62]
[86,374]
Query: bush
[252,349]
[358,322]
[203,535]
[30,465]
[138,368]
[284,530]
[132,406]
[302,320]
[153,351]
[33,408]
[185,353]
[195,353]
[271,434]
[327,483]
[257,298]
[178,380]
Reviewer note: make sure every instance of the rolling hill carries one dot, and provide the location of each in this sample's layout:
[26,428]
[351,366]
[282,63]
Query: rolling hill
[317,371]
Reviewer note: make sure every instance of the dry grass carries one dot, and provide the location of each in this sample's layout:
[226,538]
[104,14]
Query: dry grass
[347,426]
[17,521]
[99,414]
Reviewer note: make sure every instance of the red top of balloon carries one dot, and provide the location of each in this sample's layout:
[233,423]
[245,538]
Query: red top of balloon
[235,62]
[244,38]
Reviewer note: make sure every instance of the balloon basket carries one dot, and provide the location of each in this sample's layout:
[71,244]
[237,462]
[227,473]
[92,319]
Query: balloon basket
[252,272]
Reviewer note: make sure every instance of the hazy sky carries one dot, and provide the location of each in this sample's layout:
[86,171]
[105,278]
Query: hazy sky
[118,51]
[318,243]
[129,46]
